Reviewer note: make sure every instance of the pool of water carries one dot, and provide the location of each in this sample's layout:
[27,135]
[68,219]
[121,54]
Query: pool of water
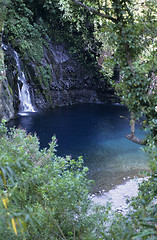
[96,132]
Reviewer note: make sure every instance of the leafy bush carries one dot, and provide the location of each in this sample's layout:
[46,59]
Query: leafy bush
[44,196]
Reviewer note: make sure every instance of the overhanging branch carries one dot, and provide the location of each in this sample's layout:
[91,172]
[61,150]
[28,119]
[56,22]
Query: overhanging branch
[132,136]
[93,10]
[135,139]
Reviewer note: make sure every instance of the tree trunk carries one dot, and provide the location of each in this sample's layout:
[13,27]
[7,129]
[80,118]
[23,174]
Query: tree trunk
[132,136]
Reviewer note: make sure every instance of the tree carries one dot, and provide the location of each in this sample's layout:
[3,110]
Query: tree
[127,29]
[51,192]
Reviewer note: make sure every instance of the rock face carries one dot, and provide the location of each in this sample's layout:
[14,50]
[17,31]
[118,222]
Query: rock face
[55,81]
[7,109]
[64,81]
[10,88]
[6,93]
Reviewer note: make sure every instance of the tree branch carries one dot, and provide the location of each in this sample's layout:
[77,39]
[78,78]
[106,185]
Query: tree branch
[132,136]
[135,139]
[93,10]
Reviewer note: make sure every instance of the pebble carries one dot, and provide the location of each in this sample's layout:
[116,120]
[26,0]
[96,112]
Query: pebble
[119,195]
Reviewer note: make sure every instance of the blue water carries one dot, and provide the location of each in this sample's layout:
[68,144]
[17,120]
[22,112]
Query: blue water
[94,131]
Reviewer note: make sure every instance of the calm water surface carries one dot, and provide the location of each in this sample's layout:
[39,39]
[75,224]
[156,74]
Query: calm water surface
[95,131]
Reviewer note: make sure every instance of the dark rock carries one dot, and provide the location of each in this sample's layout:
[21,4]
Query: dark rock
[58,80]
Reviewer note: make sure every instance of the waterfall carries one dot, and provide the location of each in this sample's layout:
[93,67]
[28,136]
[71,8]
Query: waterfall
[23,88]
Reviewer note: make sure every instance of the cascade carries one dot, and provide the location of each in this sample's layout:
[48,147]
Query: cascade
[23,88]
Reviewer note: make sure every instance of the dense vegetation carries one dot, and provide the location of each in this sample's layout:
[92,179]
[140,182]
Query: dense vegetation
[44,196]
[31,28]
[30,23]
[128,32]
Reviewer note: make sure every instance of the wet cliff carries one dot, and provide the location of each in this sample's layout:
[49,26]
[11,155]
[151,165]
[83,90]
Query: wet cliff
[58,60]
[61,80]
[57,80]
[6,94]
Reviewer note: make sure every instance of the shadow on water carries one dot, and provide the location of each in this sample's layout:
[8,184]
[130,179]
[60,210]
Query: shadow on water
[94,131]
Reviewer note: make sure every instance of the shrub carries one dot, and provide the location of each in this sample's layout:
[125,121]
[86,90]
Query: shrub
[44,196]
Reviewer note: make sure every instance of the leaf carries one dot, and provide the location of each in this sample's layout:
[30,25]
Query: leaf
[3,174]
[5,202]
[14,225]
[144,234]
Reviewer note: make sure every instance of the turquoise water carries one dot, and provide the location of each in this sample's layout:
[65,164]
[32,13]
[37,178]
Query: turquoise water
[95,131]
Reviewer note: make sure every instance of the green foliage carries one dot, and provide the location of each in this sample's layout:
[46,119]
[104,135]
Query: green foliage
[141,220]
[3,4]
[32,25]
[30,22]
[77,34]
[44,196]
[145,204]
[50,191]
[127,30]
[25,36]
